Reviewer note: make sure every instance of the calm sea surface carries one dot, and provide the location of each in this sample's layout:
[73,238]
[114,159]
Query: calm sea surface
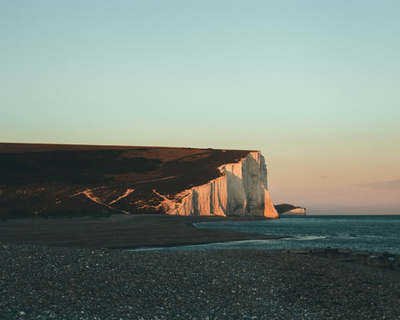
[377,233]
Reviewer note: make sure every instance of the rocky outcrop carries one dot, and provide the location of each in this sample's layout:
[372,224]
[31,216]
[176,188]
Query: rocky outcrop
[241,190]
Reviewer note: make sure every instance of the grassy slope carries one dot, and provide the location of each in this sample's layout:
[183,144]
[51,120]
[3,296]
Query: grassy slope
[42,179]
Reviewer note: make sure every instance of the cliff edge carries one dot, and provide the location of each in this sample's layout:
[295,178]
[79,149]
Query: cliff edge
[73,180]
[240,190]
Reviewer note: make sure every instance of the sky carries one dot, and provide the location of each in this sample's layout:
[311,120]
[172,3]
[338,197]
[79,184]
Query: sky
[314,85]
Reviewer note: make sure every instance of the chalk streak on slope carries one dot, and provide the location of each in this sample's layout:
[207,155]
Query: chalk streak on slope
[127,193]
[88,193]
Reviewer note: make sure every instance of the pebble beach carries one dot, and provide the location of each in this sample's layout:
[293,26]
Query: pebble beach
[43,282]
[82,268]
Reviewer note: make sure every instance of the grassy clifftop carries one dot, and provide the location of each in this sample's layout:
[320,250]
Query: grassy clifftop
[51,180]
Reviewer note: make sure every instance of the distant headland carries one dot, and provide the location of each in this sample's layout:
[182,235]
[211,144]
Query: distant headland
[285,209]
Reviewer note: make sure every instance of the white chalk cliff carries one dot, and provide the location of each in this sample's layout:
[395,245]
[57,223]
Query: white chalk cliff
[241,190]
[295,212]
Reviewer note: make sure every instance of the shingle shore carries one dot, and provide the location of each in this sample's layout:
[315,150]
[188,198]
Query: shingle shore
[38,282]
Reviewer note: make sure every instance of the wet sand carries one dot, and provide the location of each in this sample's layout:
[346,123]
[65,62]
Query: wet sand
[118,231]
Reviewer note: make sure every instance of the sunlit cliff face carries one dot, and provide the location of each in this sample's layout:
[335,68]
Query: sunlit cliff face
[240,191]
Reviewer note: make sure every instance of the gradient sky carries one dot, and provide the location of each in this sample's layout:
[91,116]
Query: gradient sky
[314,85]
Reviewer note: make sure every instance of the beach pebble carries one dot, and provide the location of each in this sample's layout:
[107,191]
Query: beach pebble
[39,282]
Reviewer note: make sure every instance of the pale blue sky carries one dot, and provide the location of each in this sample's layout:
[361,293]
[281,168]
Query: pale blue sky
[314,85]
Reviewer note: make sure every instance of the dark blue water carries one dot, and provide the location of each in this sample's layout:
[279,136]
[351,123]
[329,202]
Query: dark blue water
[378,233]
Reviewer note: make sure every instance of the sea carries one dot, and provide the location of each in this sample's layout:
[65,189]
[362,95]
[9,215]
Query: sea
[374,233]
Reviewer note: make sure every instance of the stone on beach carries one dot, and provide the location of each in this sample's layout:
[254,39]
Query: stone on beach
[39,282]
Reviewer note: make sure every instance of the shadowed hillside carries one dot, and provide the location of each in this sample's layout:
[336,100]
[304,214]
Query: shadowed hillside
[52,180]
